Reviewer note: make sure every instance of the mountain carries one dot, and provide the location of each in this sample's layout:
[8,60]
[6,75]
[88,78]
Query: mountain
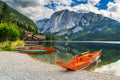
[9,15]
[80,26]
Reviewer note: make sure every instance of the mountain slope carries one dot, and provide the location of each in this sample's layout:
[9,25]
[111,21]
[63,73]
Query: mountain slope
[80,26]
[9,15]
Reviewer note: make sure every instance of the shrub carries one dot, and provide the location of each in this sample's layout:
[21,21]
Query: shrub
[10,45]
[9,32]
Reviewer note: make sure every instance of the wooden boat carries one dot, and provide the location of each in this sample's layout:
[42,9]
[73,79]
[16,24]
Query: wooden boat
[81,62]
[36,49]
[31,51]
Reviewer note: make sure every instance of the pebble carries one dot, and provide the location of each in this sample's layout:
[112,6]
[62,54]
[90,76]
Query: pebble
[17,66]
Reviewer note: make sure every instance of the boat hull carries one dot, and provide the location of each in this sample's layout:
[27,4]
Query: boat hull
[82,62]
[36,49]
[32,51]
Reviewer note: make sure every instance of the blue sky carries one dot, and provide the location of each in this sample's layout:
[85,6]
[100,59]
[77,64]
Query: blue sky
[40,9]
[102,4]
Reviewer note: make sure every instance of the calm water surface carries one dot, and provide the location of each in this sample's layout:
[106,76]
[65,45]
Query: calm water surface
[108,63]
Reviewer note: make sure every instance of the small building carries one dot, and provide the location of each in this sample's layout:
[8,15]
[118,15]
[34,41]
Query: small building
[30,37]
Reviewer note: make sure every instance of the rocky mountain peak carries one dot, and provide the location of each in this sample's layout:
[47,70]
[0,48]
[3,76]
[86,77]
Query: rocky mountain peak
[69,23]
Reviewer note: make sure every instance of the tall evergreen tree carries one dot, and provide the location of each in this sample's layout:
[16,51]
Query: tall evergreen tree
[4,12]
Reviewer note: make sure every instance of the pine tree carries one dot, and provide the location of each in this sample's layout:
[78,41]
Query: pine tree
[4,13]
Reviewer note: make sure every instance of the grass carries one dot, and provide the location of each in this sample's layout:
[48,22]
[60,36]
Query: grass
[10,45]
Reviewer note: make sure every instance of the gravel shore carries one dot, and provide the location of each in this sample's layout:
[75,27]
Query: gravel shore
[17,66]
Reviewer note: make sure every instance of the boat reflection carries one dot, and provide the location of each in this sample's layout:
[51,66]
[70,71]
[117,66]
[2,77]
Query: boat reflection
[93,66]
[66,51]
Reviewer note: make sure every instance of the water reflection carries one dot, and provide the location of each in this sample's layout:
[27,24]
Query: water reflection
[66,51]
[93,66]
[112,68]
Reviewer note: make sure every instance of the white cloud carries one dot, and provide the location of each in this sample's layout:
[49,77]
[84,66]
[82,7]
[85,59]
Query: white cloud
[27,2]
[33,9]
[113,68]
[36,10]
[117,1]
[66,2]
[114,7]
[114,10]
[81,0]
[36,13]
[93,2]
[104,13]
[80,8]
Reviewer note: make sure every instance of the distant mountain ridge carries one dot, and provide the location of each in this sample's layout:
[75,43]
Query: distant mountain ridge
[9,15]
[80,26]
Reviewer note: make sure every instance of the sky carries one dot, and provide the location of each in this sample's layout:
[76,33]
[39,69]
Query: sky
[40,9]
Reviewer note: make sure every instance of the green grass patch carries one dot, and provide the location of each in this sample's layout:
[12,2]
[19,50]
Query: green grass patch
[10,45]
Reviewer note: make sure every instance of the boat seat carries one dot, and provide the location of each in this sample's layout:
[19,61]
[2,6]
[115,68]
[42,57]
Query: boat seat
[75,59]
[90,55]
[79,59]
[71,63]
[85,58]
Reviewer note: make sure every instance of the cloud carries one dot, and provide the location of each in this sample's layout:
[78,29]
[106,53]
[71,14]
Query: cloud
[113,68]
[36,9]
[33,9]
[117,1]
[114,10]
[25,3]
[93,2]
[37,12]
[81,0]
[114,7]
[80,8]
[65,2]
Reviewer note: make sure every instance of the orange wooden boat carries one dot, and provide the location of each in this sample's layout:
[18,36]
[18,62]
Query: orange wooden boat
[36,49]
[81,62]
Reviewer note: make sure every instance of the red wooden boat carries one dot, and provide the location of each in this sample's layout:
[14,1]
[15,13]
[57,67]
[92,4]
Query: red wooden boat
[81,62]
[36,49]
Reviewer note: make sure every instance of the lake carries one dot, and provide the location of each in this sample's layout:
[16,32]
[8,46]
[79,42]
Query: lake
[109,62]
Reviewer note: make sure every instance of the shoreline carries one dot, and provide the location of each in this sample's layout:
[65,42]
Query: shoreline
[17,66]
